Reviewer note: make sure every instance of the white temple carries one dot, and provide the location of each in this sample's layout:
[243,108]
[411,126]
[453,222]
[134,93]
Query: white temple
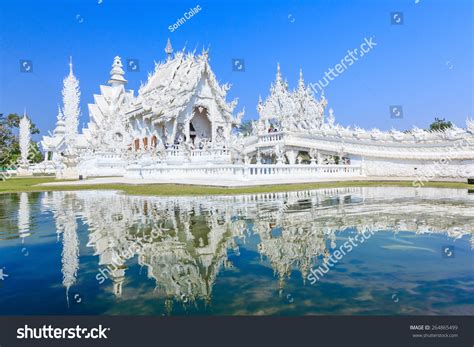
[180,127]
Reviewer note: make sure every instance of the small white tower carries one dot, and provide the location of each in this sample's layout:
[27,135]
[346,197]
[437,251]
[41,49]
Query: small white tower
[25,138]
[117,73]
[60,125]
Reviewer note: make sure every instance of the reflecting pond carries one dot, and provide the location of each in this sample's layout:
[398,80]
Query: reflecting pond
[103,252]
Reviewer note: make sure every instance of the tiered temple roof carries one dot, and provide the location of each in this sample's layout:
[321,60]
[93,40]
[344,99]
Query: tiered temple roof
[169,89]
[107,129]
[297,110]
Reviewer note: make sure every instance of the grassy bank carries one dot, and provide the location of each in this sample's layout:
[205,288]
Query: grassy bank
[15,185]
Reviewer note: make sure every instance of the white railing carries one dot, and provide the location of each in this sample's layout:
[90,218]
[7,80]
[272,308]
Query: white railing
[303,170]
[242,172]
[108,155]
[196,153]
[177,154]
[270,137]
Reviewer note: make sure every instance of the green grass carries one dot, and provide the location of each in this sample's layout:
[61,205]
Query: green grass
[15,185]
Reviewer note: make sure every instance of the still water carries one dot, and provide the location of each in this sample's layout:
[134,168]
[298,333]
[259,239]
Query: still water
[102,252]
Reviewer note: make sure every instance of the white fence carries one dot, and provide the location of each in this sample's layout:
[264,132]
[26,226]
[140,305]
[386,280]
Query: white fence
[271,137]
[243,172]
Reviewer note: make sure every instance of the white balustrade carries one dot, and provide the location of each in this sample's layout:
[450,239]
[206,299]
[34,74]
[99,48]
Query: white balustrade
[270,137]
[243,172]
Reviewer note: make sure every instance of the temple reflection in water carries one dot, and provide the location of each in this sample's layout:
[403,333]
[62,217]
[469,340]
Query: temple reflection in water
[184,242]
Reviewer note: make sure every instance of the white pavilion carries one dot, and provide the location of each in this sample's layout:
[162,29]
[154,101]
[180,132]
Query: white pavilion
[180,128]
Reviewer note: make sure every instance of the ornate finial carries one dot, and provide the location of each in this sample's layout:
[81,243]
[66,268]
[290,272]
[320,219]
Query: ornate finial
[301,81]
[70,65]
[205,53]
[117,73]
[60,114]
[168,49]
[278,75]
[331,118]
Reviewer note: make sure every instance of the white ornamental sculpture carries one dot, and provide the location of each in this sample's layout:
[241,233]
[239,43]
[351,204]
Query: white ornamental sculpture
[314,154]
[280,154]
[71,97]
[331,118]
[25,138]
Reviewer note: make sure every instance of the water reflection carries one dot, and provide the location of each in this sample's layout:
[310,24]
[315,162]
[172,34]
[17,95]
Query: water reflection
[185,242]
[23,216]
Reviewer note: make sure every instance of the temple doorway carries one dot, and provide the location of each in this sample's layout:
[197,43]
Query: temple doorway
[200,127]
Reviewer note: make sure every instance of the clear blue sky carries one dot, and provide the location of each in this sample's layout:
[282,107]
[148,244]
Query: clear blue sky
[425,65]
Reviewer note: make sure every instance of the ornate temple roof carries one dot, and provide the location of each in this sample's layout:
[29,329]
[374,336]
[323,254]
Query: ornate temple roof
[174,82]
[106,130]
[300,114]
[297,110]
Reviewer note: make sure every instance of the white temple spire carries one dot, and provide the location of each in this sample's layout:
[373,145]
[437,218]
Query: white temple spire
[25,137]
[117,73]
[70,65]
[278,75]
[331,118]
[71,111]
[301,81]
[168,50]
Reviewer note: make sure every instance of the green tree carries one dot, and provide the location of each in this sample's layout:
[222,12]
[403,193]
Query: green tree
[440,124]
[245,128]
[9,140]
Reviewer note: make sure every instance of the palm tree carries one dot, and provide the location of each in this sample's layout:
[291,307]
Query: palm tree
[245,128]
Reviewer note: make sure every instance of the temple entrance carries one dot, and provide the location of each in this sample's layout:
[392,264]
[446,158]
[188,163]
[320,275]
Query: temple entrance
[200,127]
[192,132]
